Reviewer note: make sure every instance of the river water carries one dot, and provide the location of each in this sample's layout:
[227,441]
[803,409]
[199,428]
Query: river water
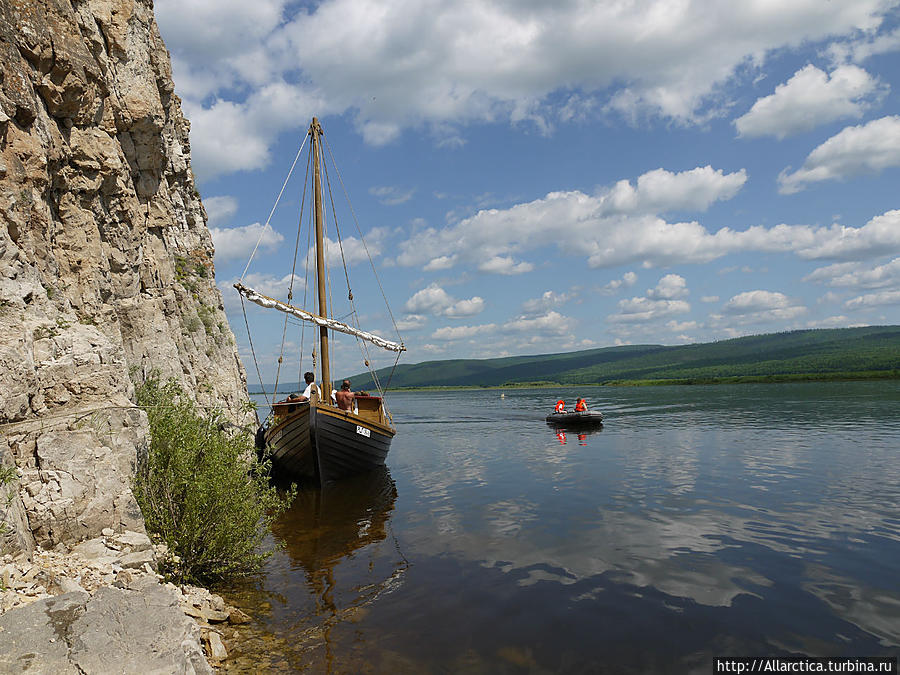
[731,520]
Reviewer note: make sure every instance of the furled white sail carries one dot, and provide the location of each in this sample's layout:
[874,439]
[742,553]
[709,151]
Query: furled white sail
[272,303]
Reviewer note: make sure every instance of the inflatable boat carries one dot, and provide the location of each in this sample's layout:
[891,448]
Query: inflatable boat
[575,419]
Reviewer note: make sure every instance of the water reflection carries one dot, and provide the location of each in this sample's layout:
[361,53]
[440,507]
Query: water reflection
[326,524]
[573,434]
[340,558]
[700,521]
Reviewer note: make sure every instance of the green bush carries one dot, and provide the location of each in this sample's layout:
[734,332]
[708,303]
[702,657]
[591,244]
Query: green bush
[203,490]
[8,476]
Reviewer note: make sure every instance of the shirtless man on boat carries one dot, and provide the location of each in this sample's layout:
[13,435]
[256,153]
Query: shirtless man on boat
[344,396]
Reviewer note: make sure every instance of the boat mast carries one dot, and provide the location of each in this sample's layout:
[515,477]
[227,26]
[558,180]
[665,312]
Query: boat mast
[315,129]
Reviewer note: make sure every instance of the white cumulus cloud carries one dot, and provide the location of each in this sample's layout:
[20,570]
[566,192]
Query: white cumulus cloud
[504,265]
[641,310]
[220,210]
[855,275]
[470,307]
[659,302]
[443,262]
[412,322]
[594,227]
[669,287]
[659,191]
[249,71]
[547,301]
[238,242]
[866,148]
[862,47]
[680,326]
[878,299]
[811,98]
[350,250]
[762,306]
[435,300]
[615,227]
[391,195]
[628,279]
[461,332]
[533,328]
[551,323]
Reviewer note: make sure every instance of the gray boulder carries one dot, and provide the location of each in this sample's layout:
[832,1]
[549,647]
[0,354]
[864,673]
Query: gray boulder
[115,631]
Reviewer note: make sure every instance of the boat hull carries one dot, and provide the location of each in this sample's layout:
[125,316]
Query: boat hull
[575,419]
[347,444]
[291,445]
[325,444]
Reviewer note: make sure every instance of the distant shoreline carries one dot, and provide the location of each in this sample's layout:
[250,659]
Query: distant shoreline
[849,376]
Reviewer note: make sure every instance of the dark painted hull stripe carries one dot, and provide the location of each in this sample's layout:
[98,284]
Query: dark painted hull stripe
[292,452]
[329,440]
[343,451]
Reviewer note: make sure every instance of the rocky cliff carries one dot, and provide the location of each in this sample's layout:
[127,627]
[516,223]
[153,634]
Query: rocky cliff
[106,268]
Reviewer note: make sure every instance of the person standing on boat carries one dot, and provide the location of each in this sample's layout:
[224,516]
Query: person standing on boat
[345,396]
[310,380]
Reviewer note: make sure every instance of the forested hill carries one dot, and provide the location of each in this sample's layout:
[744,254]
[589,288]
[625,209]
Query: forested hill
[826,353]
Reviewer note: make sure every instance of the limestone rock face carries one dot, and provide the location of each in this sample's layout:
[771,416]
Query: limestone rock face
[105,262]
[114,631]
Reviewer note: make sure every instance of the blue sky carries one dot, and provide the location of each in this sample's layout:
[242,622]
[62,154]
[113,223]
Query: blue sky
[534,177]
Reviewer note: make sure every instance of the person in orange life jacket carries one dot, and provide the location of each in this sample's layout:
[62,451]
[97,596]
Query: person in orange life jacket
[581,406]
[560,406]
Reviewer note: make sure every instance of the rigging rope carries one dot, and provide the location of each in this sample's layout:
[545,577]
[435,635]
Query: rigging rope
[391,376]
[353,313]
[329,287]
[364,349]
[290,293]
[361,238]
[338,232]
[247,267]
[329,290]
[306,272]
[253,352]
[274,206]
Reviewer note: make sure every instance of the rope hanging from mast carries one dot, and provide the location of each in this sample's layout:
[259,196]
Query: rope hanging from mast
[274,206]
[253,352]
[247,267]
[363,348]
[362,240]
[305,283]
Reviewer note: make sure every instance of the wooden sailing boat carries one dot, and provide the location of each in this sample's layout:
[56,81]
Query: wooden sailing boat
[317,439]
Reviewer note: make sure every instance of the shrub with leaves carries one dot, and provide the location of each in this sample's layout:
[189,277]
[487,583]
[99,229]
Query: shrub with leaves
[203,490]
[7,478]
